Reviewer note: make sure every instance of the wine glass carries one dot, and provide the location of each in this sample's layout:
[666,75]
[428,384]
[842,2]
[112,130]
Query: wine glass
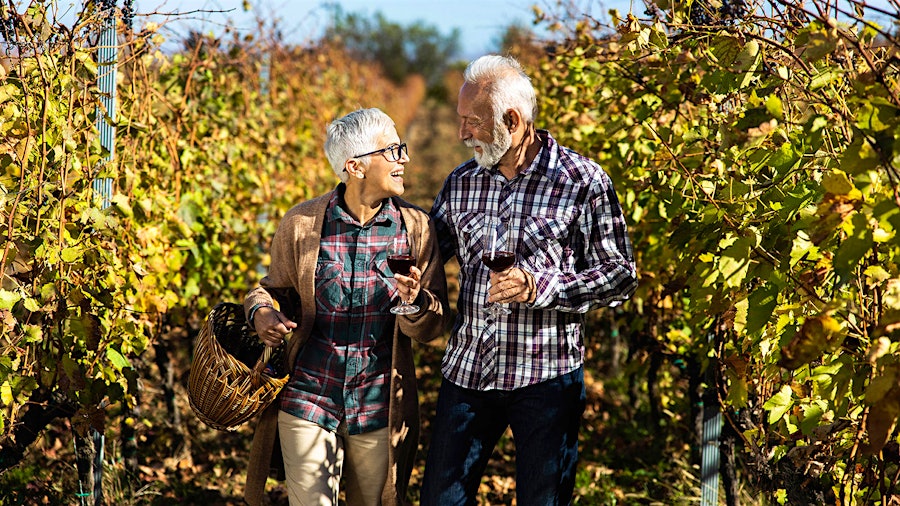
[498,255]
[400,260]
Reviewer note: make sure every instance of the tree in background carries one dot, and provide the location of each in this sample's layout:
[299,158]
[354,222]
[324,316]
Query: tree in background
[520,42]
[400,50]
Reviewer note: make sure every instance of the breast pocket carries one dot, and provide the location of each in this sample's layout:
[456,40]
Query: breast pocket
[471,232]
[332,287]
[546,243]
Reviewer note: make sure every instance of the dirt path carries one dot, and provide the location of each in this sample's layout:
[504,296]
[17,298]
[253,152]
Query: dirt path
[434,150]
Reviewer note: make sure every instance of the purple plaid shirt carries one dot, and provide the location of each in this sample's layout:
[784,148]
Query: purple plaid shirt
[342,372]
[569,232]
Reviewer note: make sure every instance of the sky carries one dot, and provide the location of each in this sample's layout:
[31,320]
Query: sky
[480,22]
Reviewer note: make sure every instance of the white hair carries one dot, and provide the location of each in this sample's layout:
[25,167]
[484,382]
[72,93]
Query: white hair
[354,134]
[507,86]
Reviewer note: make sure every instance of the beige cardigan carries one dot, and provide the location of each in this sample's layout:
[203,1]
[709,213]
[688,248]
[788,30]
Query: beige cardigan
[294,252]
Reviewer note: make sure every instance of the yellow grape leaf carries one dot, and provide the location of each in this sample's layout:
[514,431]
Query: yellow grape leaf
[837,183]
[6,395]
[740,317]
[70,255]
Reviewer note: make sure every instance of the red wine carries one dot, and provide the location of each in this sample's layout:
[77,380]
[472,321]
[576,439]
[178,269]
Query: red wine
[400,264]
[501,260]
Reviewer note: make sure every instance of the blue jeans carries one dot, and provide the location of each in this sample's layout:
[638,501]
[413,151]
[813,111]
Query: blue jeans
[544,418]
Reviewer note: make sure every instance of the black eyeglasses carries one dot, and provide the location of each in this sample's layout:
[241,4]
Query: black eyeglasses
[393,153]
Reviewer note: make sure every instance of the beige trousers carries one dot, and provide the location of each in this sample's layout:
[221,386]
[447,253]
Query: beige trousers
[314,459]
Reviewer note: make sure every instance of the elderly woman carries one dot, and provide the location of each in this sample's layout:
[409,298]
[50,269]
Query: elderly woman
[350,407]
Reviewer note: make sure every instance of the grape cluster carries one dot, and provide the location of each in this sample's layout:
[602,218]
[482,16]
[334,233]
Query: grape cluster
[730,12]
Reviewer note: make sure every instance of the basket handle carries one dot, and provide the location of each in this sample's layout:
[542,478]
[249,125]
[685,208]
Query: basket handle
[264,358]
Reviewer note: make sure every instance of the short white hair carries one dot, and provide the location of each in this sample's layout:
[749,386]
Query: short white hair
[507,85]
[354,134]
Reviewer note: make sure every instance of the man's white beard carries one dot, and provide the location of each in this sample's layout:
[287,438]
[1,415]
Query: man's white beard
[492,153]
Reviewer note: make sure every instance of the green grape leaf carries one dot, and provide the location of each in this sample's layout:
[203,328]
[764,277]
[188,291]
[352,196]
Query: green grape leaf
[779,404]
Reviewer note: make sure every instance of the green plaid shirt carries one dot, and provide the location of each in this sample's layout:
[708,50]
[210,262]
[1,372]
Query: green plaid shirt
[343,372]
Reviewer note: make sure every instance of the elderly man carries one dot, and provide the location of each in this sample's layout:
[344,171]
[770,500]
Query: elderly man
[523,369]
[350,407]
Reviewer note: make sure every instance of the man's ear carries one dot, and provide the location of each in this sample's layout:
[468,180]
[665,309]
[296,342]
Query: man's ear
[512,119]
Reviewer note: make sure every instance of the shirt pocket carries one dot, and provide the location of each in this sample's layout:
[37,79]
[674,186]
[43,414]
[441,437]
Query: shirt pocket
[332,287]
[385,285]
[546,243]
[471,231]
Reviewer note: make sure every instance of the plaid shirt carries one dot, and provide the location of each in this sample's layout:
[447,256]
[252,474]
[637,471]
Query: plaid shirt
[568,231]
[342,372]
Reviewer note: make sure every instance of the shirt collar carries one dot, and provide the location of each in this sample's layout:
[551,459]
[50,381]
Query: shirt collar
[387,215]
[547,157]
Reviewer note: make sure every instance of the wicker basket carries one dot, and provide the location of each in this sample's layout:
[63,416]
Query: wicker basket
[233,376]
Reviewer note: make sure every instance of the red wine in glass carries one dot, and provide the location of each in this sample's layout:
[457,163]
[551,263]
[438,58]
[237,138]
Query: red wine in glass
[498,255]
[400,261]
[400,264]
[498,261]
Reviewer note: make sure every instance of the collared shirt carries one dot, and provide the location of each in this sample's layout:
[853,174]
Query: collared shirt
[569,233]
[342,372]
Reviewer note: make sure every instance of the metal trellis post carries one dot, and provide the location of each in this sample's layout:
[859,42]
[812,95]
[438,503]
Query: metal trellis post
[107,56]
[709,451]
[709,457]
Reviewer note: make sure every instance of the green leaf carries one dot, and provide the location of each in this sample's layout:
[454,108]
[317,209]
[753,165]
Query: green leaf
[876,274]
[774,106]
[735,261]
[880,386]
[116,358]
[33,334]
[779,404]
[748,58]
[836,182]
[853,249]
[762,303]
[785,157]
[737,392]
[823,79]
[8,299]
[803,248]
[859,157]
[120,203]
[70,255]
[32,304]
[812,416]
[832,378]
[821,43]
[741,310]
[875,118]
[6,395]
[725,49]
[8,91]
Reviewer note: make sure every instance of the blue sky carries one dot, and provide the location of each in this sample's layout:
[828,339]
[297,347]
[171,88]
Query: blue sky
[481,22]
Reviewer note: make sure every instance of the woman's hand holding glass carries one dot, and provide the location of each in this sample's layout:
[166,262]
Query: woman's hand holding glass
[403,264]
[408,289]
